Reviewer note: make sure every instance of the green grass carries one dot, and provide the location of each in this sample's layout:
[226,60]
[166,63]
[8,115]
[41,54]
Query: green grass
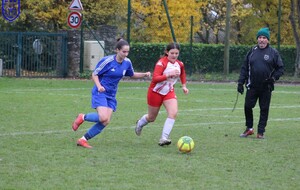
[38,148]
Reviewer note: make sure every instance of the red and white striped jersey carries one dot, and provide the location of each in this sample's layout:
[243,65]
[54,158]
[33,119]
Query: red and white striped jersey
[160,83]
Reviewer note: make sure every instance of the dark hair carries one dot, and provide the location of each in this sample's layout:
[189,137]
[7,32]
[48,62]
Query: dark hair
[172,45]
[121,43]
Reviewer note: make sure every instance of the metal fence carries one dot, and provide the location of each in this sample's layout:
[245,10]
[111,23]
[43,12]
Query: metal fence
[32,54]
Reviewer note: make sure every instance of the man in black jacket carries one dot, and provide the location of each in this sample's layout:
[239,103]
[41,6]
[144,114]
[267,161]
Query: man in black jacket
[261,68]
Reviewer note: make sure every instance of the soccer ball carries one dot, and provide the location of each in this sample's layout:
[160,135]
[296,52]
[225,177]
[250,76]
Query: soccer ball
[185,144]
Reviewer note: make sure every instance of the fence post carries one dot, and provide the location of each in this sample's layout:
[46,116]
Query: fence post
[1,67]
[19,56]
[81,45]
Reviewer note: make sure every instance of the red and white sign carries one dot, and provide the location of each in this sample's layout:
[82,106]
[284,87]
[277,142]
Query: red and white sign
[74,19]
[76,5]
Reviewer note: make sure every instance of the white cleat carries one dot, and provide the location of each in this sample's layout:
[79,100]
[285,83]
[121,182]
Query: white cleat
[138,129]
[163,142]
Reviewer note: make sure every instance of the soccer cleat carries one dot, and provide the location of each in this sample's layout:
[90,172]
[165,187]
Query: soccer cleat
[83,143]
[78,121]
[247,132]
[260,136]
[163,142]
[138,129]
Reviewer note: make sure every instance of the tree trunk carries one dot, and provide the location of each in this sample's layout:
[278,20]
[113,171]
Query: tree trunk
[296,35]
[227,39]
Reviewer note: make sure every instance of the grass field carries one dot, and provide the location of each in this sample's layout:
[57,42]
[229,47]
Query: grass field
[38,148]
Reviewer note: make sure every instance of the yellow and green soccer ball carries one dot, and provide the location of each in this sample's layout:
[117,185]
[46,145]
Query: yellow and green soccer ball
[185,144]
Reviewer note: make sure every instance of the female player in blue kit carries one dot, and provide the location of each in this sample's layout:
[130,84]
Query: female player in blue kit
[106,76]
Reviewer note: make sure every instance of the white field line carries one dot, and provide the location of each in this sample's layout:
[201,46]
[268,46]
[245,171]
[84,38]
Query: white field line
[119,97]
[131,127]
[221,109]
[43,89]
[131,88]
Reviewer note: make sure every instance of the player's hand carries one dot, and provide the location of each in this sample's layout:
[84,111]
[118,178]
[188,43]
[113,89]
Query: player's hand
[101,89]
[270,83]
[240,88]
[185,90]
[148,74]
[270,80]
[173,73]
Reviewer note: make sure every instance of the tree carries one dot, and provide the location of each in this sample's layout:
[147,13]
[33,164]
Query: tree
[265,14]
[100,12]
[46,15]
[295,22]
[151,24]
[51,15]
[214,20]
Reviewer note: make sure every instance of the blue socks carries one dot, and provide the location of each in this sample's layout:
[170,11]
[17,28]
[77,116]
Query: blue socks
[92,117]
[95,129]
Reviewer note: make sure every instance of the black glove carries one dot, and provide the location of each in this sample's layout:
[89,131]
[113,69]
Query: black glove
[270,83]
[270,80]
[240,88]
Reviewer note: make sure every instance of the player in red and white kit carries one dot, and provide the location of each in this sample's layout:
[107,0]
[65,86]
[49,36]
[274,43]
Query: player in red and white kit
[167,71]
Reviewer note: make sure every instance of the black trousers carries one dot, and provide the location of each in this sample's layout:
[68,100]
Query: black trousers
[264,98]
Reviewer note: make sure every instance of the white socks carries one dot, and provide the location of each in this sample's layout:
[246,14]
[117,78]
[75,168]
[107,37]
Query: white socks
[143,121]
[169,123]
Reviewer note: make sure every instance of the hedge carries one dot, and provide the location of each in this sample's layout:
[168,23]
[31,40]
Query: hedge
[202,58]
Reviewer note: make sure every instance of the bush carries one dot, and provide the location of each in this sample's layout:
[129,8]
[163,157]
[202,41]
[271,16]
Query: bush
[202,58]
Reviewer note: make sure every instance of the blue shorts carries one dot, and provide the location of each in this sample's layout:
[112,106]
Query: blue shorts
[101,99]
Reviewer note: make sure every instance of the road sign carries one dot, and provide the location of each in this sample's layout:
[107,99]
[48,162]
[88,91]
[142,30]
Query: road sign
[74,19]
[76,5]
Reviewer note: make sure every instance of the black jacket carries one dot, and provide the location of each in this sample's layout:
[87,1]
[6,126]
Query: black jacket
[259,65]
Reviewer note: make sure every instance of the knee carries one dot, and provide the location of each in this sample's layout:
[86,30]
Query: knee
[151,118]
[248,107]
[172,115]
[104,120]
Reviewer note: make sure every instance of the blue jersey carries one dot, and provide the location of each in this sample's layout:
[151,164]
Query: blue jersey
[110,72]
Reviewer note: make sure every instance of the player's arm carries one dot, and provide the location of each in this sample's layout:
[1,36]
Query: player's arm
[183,79]
[158,73]
[185,89]
[97,83]
[138,75]
[244,72]
[278,68]
[100,69]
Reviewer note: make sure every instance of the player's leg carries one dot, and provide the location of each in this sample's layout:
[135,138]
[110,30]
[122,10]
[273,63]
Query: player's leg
[104,108]
[91,117]
[93,131]
[171,106]
[264,104]
[250,101]
[103,115]
[145,119]
[154,101]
